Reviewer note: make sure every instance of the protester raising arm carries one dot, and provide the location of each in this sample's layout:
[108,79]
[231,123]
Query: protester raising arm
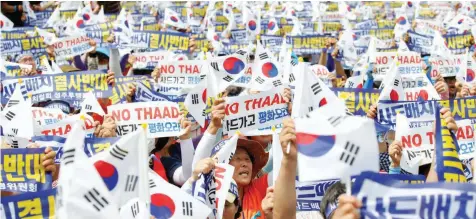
[285,188]
[187,151]
[395,152]
[208,139]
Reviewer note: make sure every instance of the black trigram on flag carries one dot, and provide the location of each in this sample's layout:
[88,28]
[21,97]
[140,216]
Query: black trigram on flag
[152,183]
[259,80]
[294,62]
[202,77]
[204,113]
[347,112]
[14,144]
[68,156]
[311,109]
[228,78]
[348,155]
[135,209]
[277,83]
[241,52]
[396,82]
[13,103]
[97,201]
[316,88]
[194,98]
[15,131]
[263,56]
[215,66]
[335,120]
[118,153]
[291,77]
[131,183]
[187,208]
[351,84]
[10,115]
[88,107]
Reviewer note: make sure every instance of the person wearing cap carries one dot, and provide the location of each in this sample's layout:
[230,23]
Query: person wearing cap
[232,208]
[27,59]
[248,160]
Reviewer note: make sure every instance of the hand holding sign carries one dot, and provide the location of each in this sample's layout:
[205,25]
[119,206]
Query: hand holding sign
[47,161]
[203,167]
[450,120]
[130,92]
[107,129]
[111,80]
[395,152]
[372,113]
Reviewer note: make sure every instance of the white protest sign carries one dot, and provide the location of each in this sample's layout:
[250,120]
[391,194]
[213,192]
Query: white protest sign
[254,111]
[223,176]
[408,63]
[417,139]
[161,118]
[40,112]
[322,72]
[72,46]
[212,188]
[149,59]
[465,138]
[447,67]
[63,127]
[180,74]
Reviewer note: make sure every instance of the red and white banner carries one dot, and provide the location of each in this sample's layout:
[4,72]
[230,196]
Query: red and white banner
[149,59]
[180,74]
[252,112]
[408,63]
[159,118]
[417,137]
[63,127]
[465,138]
[72,46]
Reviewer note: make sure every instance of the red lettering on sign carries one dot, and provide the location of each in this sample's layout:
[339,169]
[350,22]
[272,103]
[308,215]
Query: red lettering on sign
[381,60]
[411,141]
[465,132]
[167,69]
[231,109]
[121,115]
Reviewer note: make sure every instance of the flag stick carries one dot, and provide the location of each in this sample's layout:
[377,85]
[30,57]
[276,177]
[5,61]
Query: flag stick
[288,148]
[348,186]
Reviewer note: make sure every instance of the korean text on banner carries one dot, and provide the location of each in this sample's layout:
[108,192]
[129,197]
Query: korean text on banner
[22,170]
[161,119]
[254,111]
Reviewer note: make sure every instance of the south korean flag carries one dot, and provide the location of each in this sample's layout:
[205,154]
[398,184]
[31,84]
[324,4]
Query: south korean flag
[310,93]
[196,102]
[172,18]
[81,191]
[348,144]
[123,168]
[407,87]
[252,22]
[169,201]
[266,71]
[225,70]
